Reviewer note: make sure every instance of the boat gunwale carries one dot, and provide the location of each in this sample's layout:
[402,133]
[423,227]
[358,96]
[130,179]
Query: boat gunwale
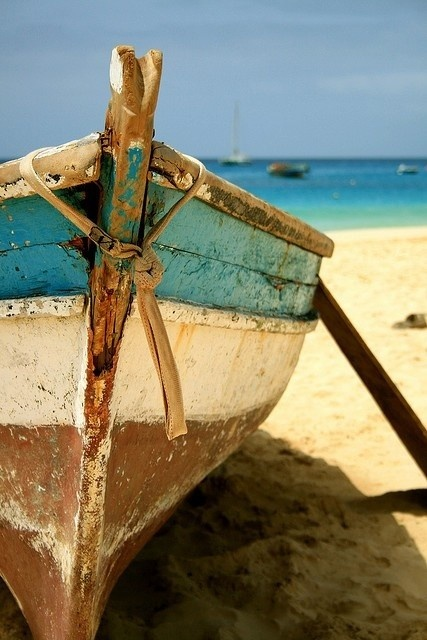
[72,164]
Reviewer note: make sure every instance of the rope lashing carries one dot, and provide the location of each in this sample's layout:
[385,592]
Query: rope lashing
[148,272]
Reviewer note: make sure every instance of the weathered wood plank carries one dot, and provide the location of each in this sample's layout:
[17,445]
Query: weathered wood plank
[192,278]
[25,222]
[135,85]
[395,408]
[41,252]
[201,229]
[43,270]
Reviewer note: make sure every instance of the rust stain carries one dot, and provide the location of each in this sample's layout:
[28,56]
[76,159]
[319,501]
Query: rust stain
[85,580]
[111,290]
[80,244]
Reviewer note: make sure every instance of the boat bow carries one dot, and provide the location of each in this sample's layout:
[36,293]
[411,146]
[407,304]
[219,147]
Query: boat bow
[87,473]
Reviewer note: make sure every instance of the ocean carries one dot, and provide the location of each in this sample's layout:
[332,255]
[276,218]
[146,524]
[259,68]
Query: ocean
[340,194]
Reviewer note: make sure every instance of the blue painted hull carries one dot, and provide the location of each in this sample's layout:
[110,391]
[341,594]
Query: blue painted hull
[38,251]
[210,258]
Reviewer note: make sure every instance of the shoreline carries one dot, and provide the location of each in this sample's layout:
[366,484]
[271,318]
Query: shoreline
[379,233]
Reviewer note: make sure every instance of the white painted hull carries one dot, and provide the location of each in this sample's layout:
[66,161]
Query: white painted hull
[229,364]
[83,494]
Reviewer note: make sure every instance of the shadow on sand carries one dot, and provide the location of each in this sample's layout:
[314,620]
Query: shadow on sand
[272,545]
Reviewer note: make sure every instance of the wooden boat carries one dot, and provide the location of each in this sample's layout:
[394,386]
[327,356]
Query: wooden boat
[288,169]
[95,449]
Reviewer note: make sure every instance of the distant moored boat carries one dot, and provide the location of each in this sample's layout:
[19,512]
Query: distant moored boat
[406,168]
[288,169]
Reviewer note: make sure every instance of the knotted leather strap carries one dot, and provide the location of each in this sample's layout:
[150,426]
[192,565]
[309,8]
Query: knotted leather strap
[148,274]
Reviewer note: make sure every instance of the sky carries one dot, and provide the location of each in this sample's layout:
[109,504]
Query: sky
[312,78]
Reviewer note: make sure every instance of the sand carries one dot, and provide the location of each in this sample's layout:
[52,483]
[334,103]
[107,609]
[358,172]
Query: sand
[317,527]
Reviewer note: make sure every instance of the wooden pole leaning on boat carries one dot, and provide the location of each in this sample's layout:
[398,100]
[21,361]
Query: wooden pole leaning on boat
[393,405]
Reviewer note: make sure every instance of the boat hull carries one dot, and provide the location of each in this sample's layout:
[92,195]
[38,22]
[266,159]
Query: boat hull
[79,501]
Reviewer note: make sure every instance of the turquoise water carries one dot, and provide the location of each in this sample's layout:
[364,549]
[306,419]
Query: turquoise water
[340,194]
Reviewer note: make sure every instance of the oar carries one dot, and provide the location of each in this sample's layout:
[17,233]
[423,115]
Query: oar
[398,412]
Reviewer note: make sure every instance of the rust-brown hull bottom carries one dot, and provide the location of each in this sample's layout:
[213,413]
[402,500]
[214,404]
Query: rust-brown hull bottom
[45,561]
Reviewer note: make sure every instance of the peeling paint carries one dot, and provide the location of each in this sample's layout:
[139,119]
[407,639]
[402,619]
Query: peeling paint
[54,166]
[116,72]
[43,346]
[42,539]
[42,307]
[180,312]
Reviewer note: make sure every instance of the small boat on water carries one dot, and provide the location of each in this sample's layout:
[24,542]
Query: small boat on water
[117,401]
[288,169]
[236,157]
[406,168]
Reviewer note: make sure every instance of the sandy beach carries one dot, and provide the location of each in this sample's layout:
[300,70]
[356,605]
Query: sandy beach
[316,529]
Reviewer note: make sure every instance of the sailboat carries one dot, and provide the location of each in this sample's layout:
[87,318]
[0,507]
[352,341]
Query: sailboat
[236,157]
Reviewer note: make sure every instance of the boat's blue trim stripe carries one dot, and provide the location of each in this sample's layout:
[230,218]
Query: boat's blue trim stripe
[192,278]
[31,221]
